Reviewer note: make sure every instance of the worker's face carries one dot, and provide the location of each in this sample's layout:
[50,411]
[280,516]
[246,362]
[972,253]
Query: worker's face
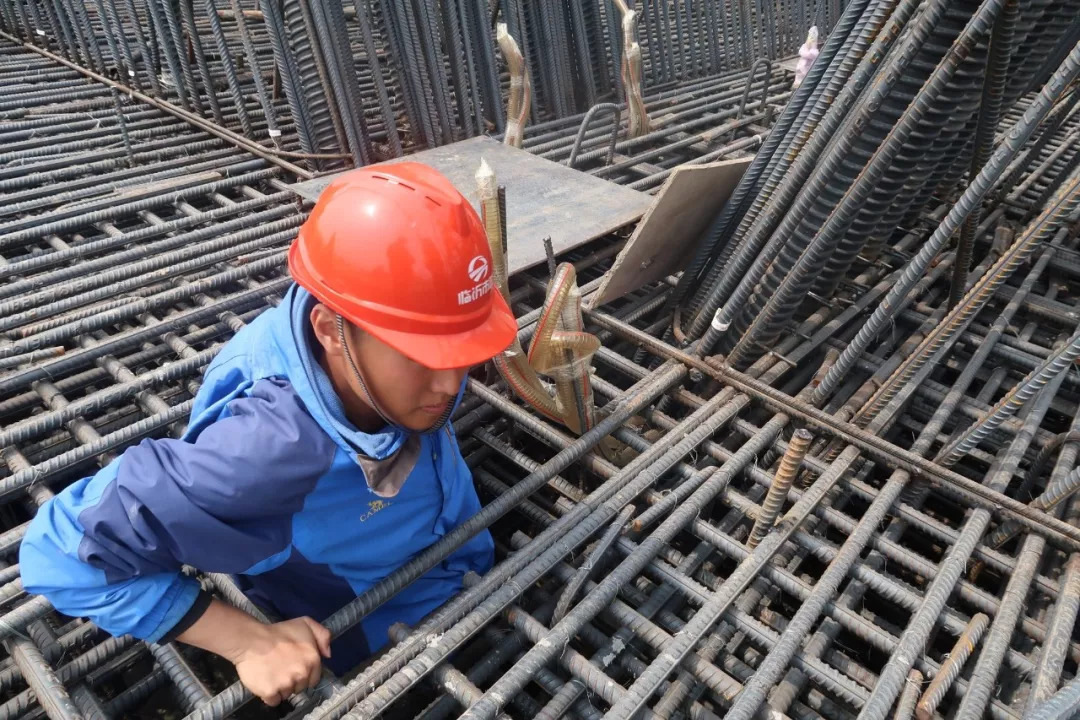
[412,395]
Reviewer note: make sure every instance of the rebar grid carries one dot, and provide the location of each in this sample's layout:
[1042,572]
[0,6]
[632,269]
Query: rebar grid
[669,583]
[352,81]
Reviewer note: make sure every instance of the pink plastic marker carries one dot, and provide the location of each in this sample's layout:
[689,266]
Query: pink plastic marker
[807,55]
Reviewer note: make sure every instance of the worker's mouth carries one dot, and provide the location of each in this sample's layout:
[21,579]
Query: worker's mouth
[433,409]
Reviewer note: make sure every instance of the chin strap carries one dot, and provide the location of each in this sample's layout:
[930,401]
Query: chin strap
[371,398]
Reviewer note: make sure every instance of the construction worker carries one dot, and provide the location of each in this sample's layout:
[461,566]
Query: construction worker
[318,458]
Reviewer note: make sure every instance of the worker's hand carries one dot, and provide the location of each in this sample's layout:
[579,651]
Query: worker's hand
[273,661]
[283,658]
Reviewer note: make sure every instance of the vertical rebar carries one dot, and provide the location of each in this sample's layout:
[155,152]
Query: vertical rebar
[778,490]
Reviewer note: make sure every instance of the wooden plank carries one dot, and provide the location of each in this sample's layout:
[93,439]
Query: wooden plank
[666,238]
[543,199]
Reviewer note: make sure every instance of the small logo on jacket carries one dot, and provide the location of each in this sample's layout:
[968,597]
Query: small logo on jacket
[373,507]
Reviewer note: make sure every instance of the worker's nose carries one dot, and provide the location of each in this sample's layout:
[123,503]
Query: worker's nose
[447,382]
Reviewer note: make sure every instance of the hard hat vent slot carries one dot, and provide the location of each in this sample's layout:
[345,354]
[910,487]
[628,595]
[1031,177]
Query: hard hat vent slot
[394,181]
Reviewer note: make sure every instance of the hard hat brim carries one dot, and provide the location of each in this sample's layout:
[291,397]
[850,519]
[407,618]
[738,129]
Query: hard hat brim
[455,350]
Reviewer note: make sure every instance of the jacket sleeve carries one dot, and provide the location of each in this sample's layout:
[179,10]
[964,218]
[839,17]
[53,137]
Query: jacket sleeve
[110,547]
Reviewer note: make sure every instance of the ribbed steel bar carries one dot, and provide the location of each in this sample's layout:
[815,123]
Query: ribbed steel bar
[1000,51]
[356,690]
[892,551]
[780,303]
[561,632]
[1061,532]
[65,153]
[922,622]
[975,192]
[751,240]
[602,506]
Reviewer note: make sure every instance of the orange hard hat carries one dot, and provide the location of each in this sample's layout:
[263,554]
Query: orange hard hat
[399,252]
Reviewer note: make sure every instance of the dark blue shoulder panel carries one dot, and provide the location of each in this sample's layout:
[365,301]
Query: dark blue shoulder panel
[221,503]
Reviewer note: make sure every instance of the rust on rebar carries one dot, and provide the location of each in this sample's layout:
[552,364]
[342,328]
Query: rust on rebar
[781,483]
[910,694]
[951,667]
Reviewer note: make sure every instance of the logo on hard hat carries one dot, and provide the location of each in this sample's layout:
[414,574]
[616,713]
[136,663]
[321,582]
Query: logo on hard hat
[478,268]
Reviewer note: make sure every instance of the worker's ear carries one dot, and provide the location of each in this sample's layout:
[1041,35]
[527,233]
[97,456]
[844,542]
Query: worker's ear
[324,326]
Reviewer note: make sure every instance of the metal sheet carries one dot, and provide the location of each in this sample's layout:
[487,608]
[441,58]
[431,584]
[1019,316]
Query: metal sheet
[543,199]
[665,239]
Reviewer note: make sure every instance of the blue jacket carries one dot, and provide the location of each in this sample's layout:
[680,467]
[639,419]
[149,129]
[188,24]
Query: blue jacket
[269,484]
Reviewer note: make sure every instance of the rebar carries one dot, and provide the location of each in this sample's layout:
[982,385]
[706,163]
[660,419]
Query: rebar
[905,706]
[781,483]
[761,533]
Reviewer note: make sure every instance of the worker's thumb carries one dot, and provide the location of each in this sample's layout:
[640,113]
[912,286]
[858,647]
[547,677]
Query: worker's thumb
[322,636]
